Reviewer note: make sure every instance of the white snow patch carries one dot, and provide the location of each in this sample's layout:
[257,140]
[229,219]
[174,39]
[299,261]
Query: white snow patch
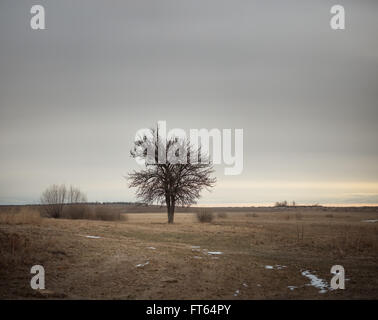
[292,287]
[277,267]
[142,264]
[93,237]
[236,293]
[214,252]
[152,248]
[371,221]
[245,285]
[316,282]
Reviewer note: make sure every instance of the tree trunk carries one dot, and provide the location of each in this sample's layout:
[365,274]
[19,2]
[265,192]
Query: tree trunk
[171,211]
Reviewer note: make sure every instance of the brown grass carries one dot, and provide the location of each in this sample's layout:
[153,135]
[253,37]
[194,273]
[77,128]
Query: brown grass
[93,212]
[105,267]
[251,215]
[298,216]
[20,216]
[222,215]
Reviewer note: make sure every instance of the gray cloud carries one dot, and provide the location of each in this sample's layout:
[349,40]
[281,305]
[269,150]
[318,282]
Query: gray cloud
[73,96]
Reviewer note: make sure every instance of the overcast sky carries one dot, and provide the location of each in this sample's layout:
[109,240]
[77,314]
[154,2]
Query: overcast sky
[73,96]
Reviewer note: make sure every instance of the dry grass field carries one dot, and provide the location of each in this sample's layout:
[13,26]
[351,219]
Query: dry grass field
[242,254]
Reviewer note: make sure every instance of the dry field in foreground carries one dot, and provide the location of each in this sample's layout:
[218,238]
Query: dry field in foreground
[268,254]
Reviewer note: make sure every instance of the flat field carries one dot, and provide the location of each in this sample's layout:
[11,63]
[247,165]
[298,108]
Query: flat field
[247,254]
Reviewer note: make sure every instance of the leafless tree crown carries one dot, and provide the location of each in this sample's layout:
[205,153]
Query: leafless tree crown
[177,181]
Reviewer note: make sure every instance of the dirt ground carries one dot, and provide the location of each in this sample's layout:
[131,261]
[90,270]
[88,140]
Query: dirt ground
[245,255]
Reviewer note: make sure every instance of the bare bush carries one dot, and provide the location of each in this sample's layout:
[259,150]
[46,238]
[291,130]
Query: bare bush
[55,197]
[279,204]
[205,215]
[53,200]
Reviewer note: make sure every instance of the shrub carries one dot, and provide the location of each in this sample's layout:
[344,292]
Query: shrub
[281,204]
[205,215]
[55,197]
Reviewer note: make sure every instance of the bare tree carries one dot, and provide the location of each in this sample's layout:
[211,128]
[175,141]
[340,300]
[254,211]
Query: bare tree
[55,197]
[53,200]
[176,181]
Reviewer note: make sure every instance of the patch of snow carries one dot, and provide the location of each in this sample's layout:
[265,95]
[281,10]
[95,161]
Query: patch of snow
[292,287]
[142,264]
[214,252]
[371,221]
[245,285]
[277,267]
[152,248]
[93,237]
[316,282]
[236,293]
[197,257]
